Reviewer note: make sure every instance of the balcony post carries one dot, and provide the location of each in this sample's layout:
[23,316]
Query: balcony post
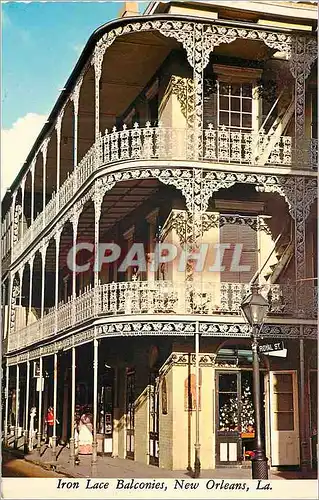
[75,97]
[58,127]
[11,321]
[40,406]
[6,405]
[301,199]
[31,261]
[44,151]
[12,227]
[22,206]
[72,442]
[20,284]
[57,238]
[43,252]
[97,61]
[198,77]
[55,393]
[26,423]
[98,199]
[304,53]
[151,219]
[12,210]
[95,388]
[32,170]
[75,221]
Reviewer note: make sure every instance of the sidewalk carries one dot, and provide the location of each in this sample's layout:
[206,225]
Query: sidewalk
[108,467]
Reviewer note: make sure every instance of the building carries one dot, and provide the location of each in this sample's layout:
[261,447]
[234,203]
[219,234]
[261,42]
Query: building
[192,124]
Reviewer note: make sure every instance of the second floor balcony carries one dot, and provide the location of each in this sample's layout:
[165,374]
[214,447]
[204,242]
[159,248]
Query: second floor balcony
[157,299]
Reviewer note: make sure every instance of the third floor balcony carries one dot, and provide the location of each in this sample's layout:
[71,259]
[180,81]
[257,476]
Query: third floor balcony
[213,146]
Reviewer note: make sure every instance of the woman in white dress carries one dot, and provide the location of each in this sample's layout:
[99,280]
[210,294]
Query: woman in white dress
[85,437]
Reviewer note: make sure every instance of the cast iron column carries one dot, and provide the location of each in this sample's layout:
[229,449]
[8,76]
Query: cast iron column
[72,442]
[95,389]
[55,412]
[26,430]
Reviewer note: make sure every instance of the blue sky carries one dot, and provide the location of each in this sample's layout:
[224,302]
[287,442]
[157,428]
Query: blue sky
[41,43]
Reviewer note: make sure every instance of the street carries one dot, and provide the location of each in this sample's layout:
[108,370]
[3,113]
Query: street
[17,467]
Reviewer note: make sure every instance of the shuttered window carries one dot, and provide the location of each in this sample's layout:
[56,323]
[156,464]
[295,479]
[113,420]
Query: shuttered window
[233,234]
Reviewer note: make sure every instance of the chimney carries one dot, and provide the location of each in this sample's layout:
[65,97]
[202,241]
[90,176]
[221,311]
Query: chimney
[129,9]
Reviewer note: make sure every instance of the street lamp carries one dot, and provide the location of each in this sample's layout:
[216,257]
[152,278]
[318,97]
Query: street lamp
[255,307]
[197,464]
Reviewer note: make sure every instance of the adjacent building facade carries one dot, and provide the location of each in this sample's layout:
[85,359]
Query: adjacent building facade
[192,124]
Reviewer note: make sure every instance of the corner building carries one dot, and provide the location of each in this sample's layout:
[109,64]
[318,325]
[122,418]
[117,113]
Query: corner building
[192,123]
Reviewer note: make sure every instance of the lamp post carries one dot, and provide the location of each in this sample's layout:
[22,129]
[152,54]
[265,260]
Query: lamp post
[197,464]
[254,307]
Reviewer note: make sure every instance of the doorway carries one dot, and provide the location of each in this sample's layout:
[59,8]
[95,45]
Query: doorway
[105,412]
[235,417]
[153,418]
[130,420]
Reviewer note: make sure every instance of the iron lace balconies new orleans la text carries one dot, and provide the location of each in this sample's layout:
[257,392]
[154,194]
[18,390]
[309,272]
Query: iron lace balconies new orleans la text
[161,143]
[157,297]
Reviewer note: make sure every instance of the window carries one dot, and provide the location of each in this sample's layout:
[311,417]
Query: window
[234,105]
[234,234]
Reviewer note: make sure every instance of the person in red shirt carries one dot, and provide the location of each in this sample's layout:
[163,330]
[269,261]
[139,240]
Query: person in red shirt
[50,423]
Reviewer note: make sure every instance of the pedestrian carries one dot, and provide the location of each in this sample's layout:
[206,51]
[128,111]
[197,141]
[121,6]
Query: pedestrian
[85,437]
[50,423]
[32,431]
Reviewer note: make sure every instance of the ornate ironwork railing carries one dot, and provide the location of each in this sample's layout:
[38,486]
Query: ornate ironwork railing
[163,143]
[159,297]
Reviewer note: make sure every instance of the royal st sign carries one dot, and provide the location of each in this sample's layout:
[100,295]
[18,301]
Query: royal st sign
[271,348]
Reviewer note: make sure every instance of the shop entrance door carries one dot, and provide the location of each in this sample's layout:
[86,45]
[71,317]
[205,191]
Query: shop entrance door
[154,419]
[130,399]
[228,441]
[284,422]
[235,421]
[105,415]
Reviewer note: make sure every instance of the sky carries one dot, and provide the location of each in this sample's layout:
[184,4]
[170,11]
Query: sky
[41,42]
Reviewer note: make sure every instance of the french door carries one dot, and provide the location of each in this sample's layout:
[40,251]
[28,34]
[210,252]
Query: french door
[284,423]
[130,399]
[235,417]
[228,440]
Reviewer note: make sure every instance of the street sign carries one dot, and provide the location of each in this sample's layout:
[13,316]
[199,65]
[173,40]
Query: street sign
[270,347]
[279,354]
